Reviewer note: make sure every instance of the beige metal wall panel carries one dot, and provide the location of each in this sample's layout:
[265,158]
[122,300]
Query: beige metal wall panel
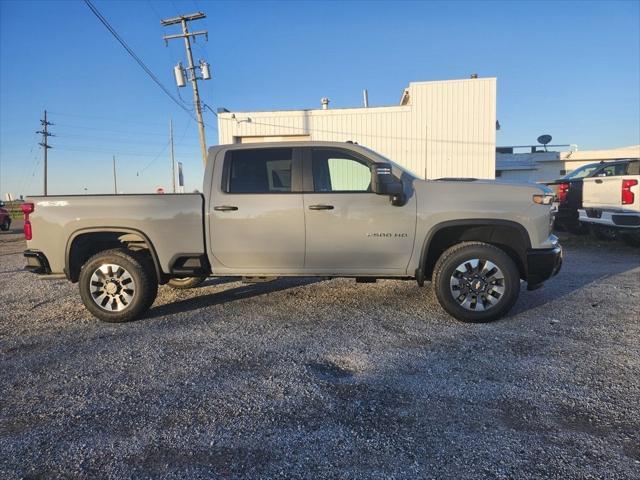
[445,129]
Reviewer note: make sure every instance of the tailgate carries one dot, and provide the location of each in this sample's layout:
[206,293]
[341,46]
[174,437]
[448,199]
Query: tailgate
[607,192]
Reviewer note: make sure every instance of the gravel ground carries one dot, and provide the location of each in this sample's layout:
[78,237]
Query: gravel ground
[324,379]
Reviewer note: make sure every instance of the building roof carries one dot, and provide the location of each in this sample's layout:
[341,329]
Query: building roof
[632,151]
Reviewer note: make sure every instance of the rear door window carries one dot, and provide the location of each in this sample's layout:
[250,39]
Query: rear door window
[267,170]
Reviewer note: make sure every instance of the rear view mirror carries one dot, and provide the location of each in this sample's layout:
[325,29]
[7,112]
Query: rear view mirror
[384,183]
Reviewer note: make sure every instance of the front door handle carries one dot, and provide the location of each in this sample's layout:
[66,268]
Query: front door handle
[225,208]
[320,207]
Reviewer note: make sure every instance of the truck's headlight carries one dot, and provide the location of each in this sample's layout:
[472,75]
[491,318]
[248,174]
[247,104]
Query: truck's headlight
[543,198]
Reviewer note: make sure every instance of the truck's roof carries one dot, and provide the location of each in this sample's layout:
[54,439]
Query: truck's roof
[290,144]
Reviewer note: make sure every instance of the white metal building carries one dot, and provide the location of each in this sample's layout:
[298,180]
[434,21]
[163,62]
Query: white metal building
[439,129]
[540,166]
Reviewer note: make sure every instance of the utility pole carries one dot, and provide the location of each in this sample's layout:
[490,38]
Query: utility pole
[191,69]
[115,180]
[45,145]
[173,160]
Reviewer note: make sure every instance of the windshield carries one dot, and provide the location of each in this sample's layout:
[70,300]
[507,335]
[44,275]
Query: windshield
[582,172]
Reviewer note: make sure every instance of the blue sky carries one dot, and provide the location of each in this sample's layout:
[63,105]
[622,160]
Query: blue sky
[571,69]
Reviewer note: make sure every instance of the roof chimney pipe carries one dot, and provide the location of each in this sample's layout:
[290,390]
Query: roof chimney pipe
[325,103]
[365,98]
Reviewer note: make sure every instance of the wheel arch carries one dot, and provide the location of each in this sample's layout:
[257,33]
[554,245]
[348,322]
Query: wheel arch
[508,235]
[84,243]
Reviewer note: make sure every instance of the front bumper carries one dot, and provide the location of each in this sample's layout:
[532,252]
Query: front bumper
[543,264]
[37,262]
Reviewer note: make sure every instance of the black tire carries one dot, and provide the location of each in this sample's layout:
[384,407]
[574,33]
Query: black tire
[185,282]
[602,233]
[6,224]
[137,266]
[632,239]
[494,304]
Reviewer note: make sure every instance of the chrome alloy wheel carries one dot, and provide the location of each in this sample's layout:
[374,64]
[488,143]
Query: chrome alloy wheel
[112,287]
[477,284]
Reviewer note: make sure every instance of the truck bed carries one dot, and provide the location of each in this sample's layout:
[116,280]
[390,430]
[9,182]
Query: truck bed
[172,223]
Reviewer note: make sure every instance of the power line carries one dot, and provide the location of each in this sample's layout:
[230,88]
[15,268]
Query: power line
[73,148]
[162,151]
[109,140]
[251,121]
[97,117]
[142,65]
[122,132]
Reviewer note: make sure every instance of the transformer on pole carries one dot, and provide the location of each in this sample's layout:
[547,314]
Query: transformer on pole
[192,76]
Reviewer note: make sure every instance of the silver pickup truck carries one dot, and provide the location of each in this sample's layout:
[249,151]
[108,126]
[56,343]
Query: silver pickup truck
[321,209]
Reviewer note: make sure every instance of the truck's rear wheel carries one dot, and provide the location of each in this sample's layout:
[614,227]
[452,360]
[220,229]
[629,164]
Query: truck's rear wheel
[476,282]
[118,285]
[6,224]
[185,282]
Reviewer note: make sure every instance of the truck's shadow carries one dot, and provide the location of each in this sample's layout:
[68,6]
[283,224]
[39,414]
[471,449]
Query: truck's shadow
[242,292]
[578,271]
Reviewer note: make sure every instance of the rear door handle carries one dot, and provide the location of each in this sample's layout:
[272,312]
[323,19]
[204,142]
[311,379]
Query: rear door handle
[598,180]
[320,207]
[225,208]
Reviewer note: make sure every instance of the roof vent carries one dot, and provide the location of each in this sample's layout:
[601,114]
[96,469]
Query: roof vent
[325,103]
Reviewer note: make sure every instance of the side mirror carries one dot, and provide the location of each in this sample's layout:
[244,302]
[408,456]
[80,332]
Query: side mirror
[384,183]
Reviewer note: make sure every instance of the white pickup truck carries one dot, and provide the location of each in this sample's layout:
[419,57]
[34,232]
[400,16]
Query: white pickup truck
[320,209]
[612,204]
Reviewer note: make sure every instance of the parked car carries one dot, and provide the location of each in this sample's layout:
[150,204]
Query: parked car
[612,204]
[568,190]
[5,218]
[322,209]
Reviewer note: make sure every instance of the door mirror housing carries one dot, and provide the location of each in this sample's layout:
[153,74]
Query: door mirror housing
[384,183]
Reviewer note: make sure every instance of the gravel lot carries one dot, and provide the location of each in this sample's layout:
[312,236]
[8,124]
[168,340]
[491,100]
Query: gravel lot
[324,379]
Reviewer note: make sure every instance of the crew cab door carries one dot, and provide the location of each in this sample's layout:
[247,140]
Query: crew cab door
[350,229]
[256,216]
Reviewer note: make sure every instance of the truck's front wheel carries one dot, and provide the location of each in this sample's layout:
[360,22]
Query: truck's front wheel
[476,282]
[118,285]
